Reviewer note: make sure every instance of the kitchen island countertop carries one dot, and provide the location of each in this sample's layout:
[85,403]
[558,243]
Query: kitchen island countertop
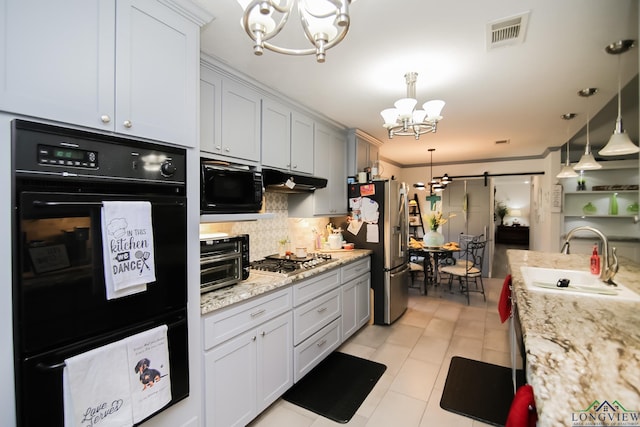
[259,283]
[580,350]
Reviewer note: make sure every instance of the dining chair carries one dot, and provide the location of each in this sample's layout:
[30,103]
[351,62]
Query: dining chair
[468,267]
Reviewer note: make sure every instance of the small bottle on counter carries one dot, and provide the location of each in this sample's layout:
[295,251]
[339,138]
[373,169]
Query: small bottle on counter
[595,261]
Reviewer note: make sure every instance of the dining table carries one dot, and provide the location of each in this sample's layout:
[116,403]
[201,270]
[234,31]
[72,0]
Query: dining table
[432,257]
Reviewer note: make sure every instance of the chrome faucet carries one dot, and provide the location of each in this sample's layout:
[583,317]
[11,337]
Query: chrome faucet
[608,271]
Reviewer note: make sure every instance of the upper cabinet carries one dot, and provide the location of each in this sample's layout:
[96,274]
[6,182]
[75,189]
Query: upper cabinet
[329,162]
[302,142]
[229,117]
[362,151]
[127,66]
[276,135]
[287,138]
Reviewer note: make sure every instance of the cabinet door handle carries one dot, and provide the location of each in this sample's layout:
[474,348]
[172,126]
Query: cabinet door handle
[227,149]
[127,124]
[218,147]
[263,333]
[258,313]
[105,118]
[321,343]
[253,338]
[322,310]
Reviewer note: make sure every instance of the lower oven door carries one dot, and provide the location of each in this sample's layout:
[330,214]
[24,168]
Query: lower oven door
[41,385]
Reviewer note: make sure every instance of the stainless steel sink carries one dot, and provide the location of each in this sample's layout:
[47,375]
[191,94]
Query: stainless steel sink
[579,283]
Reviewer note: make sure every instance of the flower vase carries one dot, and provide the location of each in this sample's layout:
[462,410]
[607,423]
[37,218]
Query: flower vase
[433,239]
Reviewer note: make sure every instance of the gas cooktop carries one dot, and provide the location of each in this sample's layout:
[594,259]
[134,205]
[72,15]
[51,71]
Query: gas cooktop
[289,266]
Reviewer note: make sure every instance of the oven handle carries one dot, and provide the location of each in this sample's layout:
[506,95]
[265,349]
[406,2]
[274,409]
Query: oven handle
[45,367]
[41,203]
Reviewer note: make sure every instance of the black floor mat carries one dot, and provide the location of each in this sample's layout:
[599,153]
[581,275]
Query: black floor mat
[479,390]
[336,387]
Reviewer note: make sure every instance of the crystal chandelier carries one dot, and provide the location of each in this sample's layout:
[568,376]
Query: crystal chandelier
[567,171]
[619,144]
[587,162]
[435,185]
[325,23]
[403,120]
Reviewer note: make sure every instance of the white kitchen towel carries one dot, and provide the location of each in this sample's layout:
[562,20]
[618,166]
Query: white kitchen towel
[96,388]
[127,245]
[150,376]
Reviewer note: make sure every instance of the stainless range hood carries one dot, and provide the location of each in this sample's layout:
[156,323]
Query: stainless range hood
[285,182]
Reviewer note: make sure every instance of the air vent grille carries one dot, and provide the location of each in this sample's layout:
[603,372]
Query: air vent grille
[507,31]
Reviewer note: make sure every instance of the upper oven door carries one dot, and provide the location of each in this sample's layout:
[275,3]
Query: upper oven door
[59,272]
[228,190]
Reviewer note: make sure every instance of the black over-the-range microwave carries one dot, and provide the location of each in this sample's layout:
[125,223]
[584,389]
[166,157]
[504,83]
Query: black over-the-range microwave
[227,188]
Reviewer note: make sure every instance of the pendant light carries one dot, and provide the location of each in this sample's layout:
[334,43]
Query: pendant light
[587,162]
[619,144]
[567,171]
[434,184]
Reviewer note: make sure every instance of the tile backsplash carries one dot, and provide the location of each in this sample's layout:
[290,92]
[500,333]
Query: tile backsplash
[264,234]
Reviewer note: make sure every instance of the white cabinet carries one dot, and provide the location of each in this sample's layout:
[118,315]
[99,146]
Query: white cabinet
[316,320]
[128,66]
[362,150]
[276,135]
[240,122]
[229,117]
[287,138]
[210,111]
[356,310]
[330,161]
[248,360]
[301,143]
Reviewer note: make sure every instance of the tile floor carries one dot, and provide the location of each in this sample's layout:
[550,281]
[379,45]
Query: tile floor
[417,350]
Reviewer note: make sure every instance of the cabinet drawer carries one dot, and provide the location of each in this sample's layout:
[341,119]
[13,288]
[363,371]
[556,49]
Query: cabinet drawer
[311,352]
[355,269]
[221,326]
[310,317]
[315,286]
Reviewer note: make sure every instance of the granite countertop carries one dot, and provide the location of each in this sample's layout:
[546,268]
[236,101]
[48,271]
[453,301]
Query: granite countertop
[579,349]
[259,283]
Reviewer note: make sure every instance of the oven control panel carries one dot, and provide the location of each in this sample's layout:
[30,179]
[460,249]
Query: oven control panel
[63,156]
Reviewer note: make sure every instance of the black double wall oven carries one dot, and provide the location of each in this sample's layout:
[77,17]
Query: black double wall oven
[61,177]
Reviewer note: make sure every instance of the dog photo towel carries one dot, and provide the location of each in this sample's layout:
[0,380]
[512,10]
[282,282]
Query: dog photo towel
[127,244]
[96,388]
[150,378]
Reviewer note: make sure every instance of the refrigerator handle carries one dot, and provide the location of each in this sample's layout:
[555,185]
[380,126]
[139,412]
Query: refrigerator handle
[405,268]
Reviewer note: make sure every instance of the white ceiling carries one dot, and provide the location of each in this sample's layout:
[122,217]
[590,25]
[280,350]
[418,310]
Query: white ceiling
[515,93]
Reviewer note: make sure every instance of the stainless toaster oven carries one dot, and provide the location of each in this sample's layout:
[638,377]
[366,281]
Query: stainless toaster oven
[224,261]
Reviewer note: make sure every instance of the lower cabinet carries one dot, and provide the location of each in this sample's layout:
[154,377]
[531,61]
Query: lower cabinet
[316,320]
[256,350]
[356,309]
[248,372]
[356,302]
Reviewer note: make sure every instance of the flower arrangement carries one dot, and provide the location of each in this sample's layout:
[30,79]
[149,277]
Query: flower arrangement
[436,219]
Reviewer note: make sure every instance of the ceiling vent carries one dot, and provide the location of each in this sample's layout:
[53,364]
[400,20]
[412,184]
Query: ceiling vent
[507,31]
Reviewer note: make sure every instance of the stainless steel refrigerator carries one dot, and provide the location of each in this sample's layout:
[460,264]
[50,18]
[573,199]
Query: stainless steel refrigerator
[379,212]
